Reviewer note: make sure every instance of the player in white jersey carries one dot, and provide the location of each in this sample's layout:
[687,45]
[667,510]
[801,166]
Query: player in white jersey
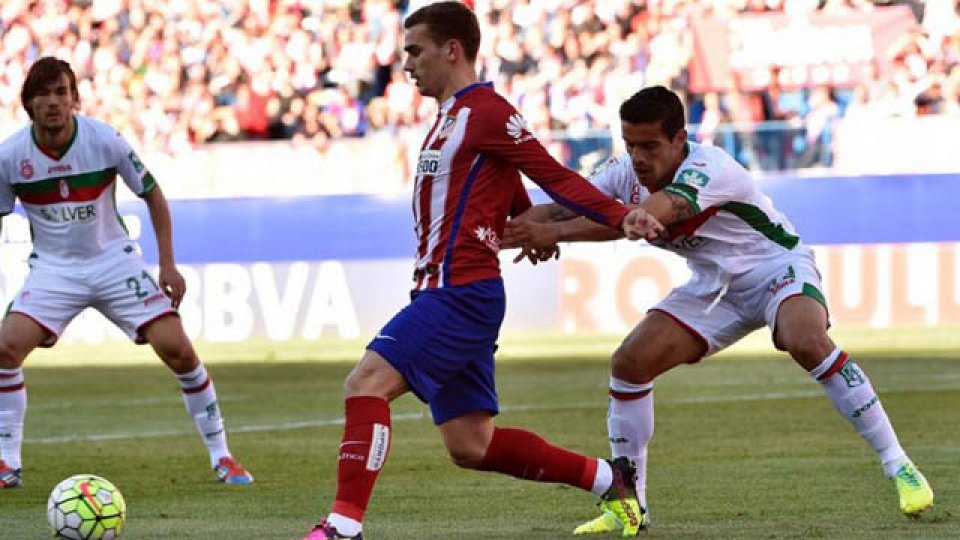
[749,268]
[63,168]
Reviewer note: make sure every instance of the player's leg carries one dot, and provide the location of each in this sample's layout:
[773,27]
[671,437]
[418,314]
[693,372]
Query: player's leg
[659,343]
[681,329]
[37,315]
[368,391]
[474,442]
[801,329]
[19,335]
[128,295]
[168,339]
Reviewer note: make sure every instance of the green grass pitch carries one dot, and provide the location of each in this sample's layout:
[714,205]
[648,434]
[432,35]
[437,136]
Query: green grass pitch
[746,446]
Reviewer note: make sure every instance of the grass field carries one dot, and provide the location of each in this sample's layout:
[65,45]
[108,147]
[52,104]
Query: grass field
[746,446]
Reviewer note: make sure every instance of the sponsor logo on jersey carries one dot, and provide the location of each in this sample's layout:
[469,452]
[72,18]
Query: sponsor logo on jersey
[699,163]
[26,169]
[449,122]
[429,162]
[64,189]
[62,167]
[489,237]
[679,242]
[517,129]
[69,214]
[693,178]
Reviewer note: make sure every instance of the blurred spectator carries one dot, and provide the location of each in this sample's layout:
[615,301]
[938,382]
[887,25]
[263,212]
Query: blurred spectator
[817,144]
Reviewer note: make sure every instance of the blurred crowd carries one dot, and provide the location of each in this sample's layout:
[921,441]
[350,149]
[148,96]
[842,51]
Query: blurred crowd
[172,74]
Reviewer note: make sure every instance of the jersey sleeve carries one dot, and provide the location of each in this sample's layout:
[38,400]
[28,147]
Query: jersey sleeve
[706,188]
[133,171]
[7,196]
[502,133]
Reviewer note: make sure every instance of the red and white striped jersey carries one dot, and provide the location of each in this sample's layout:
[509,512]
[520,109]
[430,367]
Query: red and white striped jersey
[468,182]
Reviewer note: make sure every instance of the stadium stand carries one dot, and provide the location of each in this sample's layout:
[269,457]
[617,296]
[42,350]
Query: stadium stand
[176,74]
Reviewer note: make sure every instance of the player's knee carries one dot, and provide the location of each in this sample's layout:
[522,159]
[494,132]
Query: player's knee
[358,382]
[627,366]
[11,356]
[807,347]
[181,359]
[467,457]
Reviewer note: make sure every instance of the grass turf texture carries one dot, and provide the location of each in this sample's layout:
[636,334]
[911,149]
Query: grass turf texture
[746,445]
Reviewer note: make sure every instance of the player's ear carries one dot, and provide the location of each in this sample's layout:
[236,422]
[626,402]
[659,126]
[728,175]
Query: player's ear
[453,49]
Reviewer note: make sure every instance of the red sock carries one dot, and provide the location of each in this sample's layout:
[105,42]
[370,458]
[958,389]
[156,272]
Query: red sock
[366,441]
[526,455]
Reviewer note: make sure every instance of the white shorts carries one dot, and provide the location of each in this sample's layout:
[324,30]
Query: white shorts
[117,285]
[750,301]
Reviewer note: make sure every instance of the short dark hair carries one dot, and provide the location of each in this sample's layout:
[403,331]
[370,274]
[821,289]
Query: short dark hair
[655,104]
[43,72]
[449,20]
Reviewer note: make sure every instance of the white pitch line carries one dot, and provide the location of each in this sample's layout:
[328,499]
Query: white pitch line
[596,404]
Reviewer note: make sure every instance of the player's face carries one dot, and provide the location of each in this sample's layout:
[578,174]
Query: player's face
[53,104]
[426,63]
[655,156]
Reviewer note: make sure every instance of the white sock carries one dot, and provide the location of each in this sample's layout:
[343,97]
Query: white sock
[13,408]
[604,478]
[344,525]
[853,396]
[630,426]
[200,397]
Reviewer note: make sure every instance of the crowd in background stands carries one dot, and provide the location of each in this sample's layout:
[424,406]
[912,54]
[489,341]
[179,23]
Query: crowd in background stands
[171,74]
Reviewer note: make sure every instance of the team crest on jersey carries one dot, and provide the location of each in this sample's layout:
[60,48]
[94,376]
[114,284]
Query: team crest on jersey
[64,189]
[446,128]
[517,129]
[693,178]
[26,169]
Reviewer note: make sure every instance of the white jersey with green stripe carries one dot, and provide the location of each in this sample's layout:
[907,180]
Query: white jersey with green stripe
[736,227]
[71,200]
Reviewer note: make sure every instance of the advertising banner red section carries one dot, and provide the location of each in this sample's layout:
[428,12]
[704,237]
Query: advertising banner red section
[840,49]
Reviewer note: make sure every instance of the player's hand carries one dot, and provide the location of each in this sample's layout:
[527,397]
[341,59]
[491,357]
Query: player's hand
[537,241]
[172,284]
[535,255]
[640,224]
[527,233]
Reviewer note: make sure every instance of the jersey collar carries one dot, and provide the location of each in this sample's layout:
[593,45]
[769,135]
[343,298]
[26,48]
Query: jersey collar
[56,153]
[448,103]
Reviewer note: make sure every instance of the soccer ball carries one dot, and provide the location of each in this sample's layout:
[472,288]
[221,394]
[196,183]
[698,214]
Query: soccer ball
[86,507]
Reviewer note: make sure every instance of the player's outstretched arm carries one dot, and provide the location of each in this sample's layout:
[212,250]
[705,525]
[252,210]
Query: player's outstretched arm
[658,211]
[171,281]
[540,229]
